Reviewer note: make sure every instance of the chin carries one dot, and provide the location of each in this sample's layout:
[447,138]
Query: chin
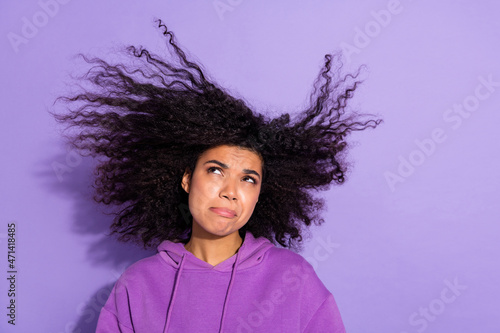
[224,232]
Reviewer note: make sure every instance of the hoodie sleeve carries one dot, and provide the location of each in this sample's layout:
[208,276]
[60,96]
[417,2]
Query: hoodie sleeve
[115,315]
[326,319]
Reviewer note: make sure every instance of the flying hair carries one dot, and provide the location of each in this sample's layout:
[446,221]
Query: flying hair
[147,122]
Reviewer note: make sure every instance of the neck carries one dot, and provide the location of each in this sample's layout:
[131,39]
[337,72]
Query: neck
[213,249]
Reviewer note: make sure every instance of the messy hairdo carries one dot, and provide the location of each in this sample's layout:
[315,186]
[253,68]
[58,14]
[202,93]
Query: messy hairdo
[148,121]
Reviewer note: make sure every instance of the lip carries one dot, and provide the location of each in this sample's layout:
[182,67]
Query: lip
[223,211]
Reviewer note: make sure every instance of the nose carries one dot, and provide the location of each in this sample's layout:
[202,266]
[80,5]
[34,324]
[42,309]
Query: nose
[228,190]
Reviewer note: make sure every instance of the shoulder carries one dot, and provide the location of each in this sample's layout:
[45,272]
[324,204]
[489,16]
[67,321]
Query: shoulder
[146,269]
[297,277]
[294,267]
[285,257]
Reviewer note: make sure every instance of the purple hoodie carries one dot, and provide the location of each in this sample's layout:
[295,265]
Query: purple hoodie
[262,288]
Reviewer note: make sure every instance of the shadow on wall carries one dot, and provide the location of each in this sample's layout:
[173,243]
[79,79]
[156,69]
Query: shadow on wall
[71,176]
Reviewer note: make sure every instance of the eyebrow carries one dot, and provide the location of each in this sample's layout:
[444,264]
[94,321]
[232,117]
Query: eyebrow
[225,166]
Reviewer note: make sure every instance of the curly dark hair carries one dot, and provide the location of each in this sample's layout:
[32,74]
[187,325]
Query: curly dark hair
[148,123]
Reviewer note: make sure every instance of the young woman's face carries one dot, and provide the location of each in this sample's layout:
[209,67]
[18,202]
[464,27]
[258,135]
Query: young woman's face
[223,190]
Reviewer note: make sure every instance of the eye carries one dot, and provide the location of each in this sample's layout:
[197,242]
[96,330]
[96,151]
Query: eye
[213,169]
[252,180]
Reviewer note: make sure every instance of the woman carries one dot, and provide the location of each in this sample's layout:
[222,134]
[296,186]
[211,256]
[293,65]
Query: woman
[217,186]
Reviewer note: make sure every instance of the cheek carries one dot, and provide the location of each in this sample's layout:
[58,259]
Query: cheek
[250,199]
[203,190]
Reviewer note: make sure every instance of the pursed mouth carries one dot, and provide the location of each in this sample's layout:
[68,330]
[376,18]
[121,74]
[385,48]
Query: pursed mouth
[223,212]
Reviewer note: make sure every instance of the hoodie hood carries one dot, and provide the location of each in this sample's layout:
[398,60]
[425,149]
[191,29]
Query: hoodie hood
[250,253]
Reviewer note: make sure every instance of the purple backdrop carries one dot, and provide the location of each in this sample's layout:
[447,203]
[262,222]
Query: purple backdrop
[411,241]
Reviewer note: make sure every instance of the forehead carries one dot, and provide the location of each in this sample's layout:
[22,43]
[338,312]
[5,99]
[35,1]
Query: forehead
[233,156]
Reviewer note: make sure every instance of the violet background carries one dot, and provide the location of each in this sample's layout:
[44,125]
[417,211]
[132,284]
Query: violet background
[393,247]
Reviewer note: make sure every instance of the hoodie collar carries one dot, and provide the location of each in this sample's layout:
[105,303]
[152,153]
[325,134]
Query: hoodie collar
[250,254]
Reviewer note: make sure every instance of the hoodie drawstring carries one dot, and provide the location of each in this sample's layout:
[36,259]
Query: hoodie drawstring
[174,293]
[228,291]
